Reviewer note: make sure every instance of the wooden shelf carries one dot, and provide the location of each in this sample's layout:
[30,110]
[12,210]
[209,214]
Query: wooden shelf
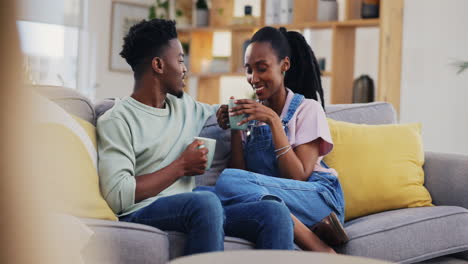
[359,23]
[312,25]
[343,44]
[216,74]
[239,74]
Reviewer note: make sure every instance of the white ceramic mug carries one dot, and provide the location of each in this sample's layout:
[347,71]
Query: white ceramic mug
[210,144]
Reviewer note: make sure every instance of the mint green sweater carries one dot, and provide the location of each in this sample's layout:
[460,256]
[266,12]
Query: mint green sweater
[136,139]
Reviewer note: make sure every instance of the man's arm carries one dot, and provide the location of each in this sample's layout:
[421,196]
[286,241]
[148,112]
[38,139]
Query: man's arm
[117,162]
[191,162]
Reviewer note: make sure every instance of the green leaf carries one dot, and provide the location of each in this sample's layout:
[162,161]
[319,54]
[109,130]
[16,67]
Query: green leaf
[463,66]
[152,12]
[179,13]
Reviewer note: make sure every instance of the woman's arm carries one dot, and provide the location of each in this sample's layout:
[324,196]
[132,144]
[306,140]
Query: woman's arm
[297,163]
[237,153]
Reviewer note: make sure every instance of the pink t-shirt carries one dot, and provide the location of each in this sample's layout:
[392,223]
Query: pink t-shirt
[307,124]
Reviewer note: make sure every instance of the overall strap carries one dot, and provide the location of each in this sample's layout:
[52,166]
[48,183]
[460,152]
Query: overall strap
[295,102]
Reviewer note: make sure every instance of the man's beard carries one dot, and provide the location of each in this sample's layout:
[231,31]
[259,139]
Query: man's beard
[179,94]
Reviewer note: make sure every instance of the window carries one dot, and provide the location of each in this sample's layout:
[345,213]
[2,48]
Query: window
[50,53]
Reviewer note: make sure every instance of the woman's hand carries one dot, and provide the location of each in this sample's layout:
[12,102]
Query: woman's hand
[222,117]
[255,111]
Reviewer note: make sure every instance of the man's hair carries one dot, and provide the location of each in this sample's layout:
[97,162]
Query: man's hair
[303,76]
[146,40]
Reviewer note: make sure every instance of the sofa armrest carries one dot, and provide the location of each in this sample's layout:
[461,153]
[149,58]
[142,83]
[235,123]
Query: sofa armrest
[446,178]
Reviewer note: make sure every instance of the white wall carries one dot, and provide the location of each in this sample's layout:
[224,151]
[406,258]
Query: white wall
[434,36]
[106,83]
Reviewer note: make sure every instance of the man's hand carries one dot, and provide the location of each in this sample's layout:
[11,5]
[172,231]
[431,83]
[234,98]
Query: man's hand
[193,160]
[223,117]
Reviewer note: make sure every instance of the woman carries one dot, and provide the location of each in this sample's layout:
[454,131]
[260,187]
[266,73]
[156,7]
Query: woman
[287,141]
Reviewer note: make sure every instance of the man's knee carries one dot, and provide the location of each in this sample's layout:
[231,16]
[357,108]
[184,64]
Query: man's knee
[207,204]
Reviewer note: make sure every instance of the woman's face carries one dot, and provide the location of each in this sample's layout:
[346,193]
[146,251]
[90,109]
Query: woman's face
[264,71]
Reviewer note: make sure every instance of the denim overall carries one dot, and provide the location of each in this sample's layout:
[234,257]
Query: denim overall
[310,201]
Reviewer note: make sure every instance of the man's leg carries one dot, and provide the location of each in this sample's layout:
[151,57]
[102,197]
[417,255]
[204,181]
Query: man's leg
[198,214]
[267,223]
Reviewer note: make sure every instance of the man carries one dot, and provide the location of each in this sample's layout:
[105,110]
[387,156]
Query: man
[147,155]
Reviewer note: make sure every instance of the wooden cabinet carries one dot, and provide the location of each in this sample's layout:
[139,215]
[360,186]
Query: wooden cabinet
[304,17]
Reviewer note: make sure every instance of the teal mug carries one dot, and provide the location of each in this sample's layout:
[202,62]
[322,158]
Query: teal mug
[233,120]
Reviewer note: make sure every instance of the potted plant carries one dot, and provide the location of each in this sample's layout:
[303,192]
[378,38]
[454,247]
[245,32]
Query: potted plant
[462,65]
[159,10]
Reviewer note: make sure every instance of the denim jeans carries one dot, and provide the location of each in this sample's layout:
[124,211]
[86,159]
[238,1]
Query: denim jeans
[198,214]
[309,201]
[266,223]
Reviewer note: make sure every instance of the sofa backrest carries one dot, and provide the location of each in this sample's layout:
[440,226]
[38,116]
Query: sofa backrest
[368,113]
[377,113]
[70,100]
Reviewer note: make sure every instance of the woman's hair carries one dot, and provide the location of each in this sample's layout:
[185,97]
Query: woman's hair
[303,76]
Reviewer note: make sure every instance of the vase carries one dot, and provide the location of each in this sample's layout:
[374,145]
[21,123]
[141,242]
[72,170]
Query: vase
[363,89]
[202,17]
[327,10]
[370,9]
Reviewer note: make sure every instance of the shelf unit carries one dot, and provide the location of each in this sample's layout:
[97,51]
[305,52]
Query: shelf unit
[343,47]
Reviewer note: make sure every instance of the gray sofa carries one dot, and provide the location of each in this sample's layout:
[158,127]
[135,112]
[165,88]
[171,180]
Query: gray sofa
[415,235]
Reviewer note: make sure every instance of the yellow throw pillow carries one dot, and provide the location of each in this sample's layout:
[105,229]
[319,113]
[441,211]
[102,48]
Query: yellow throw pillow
[65,157]
[379,166]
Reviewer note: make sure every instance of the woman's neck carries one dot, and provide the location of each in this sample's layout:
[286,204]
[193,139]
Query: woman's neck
[277,100]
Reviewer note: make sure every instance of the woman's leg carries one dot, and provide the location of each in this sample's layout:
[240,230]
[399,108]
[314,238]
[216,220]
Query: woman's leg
[305,200]
[266,223]
[307,240]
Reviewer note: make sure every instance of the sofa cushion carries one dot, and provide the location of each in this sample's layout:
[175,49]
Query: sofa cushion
[177,244]
[70,100]
[408,235]
[222,153]
[444,260]
[377,113]
[102,106]
[121,243]
[65,155]
[379,166]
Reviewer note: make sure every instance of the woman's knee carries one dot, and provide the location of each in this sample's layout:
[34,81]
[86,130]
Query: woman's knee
[275,214]
[230,178]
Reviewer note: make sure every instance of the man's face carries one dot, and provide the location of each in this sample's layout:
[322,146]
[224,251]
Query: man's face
[174,68]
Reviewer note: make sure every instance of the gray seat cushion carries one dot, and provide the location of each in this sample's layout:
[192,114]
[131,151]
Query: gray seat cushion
[70,100]
[121,242]
[177,244]
[409,235]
